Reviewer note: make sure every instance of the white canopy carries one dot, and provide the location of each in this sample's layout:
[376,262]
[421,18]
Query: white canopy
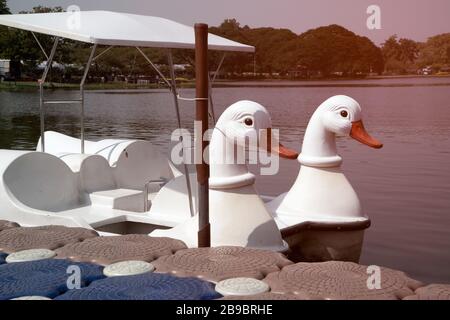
[117,29]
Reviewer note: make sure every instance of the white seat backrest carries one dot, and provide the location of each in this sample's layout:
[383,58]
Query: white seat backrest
[96,174]
[42,181]
[139,163]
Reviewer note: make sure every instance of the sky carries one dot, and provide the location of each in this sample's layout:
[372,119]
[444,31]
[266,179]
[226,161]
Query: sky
[413,19]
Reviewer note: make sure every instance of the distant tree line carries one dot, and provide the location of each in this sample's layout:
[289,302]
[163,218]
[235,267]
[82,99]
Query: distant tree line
[324,52]
[332,50]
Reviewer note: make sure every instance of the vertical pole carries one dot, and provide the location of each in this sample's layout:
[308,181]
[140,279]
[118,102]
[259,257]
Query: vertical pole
[83,81]
[211,101]
[41,92]
[202,88]
[211,81]
[42,114]
[173,89]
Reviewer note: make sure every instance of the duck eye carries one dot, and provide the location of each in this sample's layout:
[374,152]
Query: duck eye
[248,122]
[344,113]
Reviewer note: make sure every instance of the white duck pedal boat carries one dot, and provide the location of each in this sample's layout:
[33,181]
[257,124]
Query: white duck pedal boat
[238,215]
[321,216]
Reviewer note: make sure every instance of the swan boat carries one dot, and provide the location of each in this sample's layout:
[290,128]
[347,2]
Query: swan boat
[321,216]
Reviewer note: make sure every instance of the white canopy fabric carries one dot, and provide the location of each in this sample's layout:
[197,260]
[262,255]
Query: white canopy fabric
[117,29]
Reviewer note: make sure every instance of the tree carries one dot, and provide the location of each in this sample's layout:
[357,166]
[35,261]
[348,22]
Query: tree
[4,7]
[20,46]
[235,62]
[400,55]
[323,50]
[3,10]
[43,9]
[435,52]
[334,49]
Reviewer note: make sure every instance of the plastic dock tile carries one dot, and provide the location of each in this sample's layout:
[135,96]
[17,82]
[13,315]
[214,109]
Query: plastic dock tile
[241,287]
[7,225]
[150,286]
[128,268]
[48,278]
[222,263]
[340,280]
[45,237]
[431,292]
[30,255]
[108,250]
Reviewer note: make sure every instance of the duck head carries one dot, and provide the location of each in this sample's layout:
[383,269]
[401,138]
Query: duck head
[244,123]
[339,115]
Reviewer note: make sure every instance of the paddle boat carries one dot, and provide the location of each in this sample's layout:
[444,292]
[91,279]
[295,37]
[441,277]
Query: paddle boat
[321,216]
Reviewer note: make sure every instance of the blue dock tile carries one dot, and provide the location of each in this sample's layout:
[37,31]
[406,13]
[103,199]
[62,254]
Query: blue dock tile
[150,286]
[47,278]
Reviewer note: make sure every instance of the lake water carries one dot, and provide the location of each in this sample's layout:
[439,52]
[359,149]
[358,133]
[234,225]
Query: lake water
[404,187]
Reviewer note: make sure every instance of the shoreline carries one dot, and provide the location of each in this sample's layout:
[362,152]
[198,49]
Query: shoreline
[250,83]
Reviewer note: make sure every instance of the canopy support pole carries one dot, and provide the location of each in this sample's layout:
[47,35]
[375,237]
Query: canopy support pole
[154,67]
[211,81]
[102,53]
[83,81]
[202,89]
[40,45]
[41,92]
[211,102]
[43,102]
[218,67]
[173,88]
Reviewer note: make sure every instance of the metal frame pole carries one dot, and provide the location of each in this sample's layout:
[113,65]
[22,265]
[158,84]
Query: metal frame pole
[211,81]
[155,67]
[39,44]
[202,89]
[173,89]
[83,80]
[102,53]
[41,92]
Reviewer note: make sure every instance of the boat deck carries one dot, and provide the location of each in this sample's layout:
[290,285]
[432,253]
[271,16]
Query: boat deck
[180,273]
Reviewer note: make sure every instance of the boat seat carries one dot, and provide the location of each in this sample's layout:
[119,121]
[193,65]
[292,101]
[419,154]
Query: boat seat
[122,199]
[73,160]
[98,216]
[43,182]
[96,175]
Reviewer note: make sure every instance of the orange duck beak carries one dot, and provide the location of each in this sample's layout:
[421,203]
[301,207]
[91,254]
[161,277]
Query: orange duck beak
[359,133]
[279,149]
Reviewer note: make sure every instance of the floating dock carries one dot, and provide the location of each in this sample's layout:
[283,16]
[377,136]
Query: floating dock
[165,269]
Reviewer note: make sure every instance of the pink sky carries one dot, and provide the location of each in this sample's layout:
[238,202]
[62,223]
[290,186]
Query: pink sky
[415,19]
